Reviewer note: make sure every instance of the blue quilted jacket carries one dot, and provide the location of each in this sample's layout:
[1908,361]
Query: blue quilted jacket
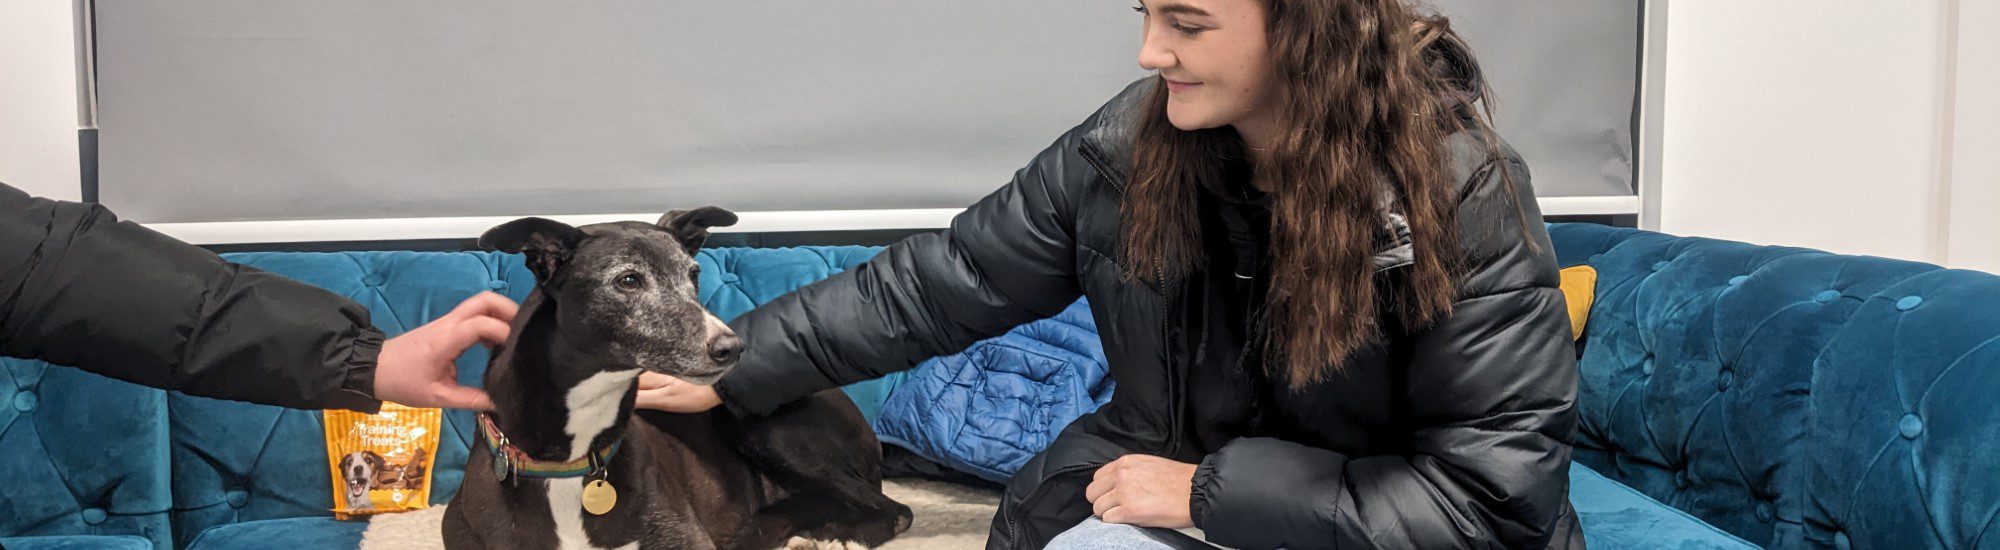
[990,408]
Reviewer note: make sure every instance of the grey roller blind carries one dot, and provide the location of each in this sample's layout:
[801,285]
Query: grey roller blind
[231,110]
[1567,76]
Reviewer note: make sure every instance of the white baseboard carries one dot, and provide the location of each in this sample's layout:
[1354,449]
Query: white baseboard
[400,229]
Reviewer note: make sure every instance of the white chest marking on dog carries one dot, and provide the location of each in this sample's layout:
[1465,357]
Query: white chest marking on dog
[566,508]
[593,407]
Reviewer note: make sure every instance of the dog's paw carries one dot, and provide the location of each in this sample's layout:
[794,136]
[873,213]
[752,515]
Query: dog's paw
[802,543]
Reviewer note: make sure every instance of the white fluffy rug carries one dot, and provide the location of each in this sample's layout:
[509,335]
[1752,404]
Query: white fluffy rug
[947,516]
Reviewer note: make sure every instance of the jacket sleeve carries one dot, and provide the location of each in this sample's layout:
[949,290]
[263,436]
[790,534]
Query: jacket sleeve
[1491,388]
[1008,259]
[80,288]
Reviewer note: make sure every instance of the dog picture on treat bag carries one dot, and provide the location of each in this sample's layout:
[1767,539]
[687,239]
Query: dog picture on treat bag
[381,462]
[564,460]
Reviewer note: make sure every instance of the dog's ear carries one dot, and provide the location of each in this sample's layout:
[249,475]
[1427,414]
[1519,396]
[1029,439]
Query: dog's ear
[547,243]
[690,227]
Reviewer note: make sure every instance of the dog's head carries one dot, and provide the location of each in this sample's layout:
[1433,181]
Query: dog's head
[626,291]
[357,470]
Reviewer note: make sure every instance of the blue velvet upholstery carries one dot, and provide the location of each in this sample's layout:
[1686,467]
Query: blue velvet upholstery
[1790,396]
[1786,396]
[172,468]
[78,542]
[236,462]
[80,454]
[300,533]
[1614,515]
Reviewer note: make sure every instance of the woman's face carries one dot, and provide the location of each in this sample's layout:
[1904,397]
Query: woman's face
[1215,58]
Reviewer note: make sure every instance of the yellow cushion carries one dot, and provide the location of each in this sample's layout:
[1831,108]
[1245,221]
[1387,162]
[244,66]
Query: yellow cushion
[1579,286]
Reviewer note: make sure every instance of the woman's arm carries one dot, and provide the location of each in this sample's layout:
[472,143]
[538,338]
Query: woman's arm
[1493,389]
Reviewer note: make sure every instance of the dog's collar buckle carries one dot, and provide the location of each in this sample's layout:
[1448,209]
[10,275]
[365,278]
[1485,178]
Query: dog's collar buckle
[510,461]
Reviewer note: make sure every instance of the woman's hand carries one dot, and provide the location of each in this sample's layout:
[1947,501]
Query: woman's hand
[419,368]
[666,393]
[1143,490]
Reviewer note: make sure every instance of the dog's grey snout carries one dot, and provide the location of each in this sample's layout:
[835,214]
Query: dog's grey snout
[723,345]
[725,348]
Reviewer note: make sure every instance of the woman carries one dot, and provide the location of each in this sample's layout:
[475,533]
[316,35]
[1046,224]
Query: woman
[1331,313]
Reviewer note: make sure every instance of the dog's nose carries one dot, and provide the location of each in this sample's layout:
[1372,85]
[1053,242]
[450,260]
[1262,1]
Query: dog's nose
[725,348]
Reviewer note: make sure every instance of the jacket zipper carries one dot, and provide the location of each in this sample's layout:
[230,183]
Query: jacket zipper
[1174,383]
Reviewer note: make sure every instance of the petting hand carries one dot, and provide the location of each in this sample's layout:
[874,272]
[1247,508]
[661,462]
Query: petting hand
[419,368]
[1143,490]
[666,393]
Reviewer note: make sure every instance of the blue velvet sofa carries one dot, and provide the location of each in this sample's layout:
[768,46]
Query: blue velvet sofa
[1733,395]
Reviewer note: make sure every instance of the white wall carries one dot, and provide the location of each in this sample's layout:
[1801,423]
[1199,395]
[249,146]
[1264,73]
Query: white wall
[1828,124]
[1973,219]
[38,98]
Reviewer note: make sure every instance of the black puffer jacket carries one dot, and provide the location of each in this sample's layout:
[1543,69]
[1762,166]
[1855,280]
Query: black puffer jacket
[80,288]
[1456,436]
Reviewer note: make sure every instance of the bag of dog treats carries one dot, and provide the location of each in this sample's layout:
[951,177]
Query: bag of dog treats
[381,462]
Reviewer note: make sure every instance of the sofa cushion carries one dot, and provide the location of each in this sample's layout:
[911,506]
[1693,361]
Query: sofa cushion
[319,533]
[1579,288]
[78,542]
[1616,516]
[1904,440]
[1790,396]
[80,454]
[239,462]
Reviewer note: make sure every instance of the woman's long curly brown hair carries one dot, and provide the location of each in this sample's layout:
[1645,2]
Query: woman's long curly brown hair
[1368,91]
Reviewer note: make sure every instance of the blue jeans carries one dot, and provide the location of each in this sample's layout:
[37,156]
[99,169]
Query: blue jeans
[1096,534]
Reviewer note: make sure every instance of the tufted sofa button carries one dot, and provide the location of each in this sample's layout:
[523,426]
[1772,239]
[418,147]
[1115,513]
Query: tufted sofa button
[730,278]
[1909,303]
[1764,513]
[1827,296]
[1646,366]
[1723,383]
[1738,280]
[26,401]
[237,498]
[94,516]
[1840,541]
[1911,426]
[1681,479]
[497,284]
[374,279]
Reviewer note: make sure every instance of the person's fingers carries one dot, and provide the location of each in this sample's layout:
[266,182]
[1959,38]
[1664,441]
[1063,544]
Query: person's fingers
[477,329]
[1097,489]
[663,400]
[1108,469]
[650,399]
[654,380]
[462,397]
[1105,504]
[487,304]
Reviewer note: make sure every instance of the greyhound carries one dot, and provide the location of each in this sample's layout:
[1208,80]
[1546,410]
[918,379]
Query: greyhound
[564,461]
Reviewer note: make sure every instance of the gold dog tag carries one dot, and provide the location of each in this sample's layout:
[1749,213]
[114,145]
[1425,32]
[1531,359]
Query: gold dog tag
[599,497]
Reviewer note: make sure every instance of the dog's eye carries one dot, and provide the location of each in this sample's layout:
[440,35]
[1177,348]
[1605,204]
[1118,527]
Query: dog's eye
[694,274]
[630,281]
